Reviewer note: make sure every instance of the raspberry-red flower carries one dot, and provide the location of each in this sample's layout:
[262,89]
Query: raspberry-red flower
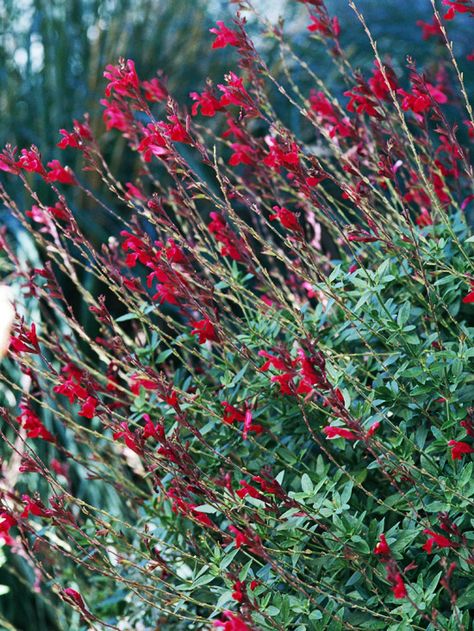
[60,174]
[76,138]
[382,548]
[458,6]
[154,90]
[419,101]
[440,540]
[339,432]
[88,408]
[30,160]
[287,219]
[233,623]
[430,30]
[32,424]
[398,587]
[240,537]
[123,79]
[325,25]
[232,244]
[243,154]
[468,298]
[153,143]
[205,331]
[207,102]
[224,36]
[459,449]
[75,596]
[239,593]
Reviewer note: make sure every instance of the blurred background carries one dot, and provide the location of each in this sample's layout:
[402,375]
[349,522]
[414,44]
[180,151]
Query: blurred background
[52,56]
[52,52]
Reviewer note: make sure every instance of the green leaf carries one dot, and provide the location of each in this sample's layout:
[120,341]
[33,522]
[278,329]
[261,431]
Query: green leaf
[403,314]
[306,483]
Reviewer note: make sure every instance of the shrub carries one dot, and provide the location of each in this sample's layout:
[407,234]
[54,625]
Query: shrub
[277,376]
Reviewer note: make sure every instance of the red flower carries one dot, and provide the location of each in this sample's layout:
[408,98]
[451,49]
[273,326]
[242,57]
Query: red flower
[322,106]
[58,467]
[208,103]
[398,587]
[424,219]
[30,160]
[372,429]
[150,430]
[117,116]
[329,117]
[249,426]
[240,537]
[430,30]
[468,298]
[153,143]
[234,93]
[175,129]
[138,382]
[17,346]
[422,100]
[324,25]
[239,591]
[133,192]
[59,211]
[71,389]
[279,157]
[382,548]
[339,432]
[154,90]
[268,486]
[232,245]
[7,521]
[26,341]
[312,373]
[224,36]
[205,331]
[459,449]
[32,424]
[276,362]
[202,518]
[232,414]
[248,489]
[287,218]
[7,162]
[458,6]
[75,596]
[439,540]
[361,101]
[123,79]
[233,623]
[381,83]
[243,154]
[468,425]
[286,380]
[34,507]
[358,235]
[129,437]
[60,174]
[88,408]
[75,138]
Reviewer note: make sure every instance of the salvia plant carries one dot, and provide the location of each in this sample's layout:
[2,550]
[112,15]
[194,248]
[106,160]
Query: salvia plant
[275,374]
